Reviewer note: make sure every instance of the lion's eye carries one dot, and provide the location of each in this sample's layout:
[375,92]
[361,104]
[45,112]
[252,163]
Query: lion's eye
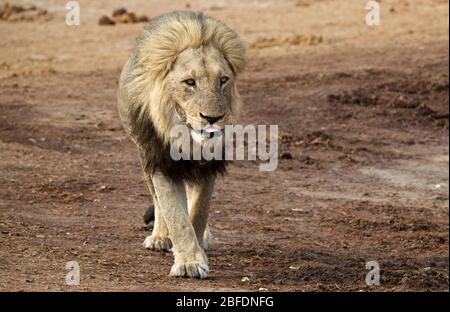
[223,79]
[190,82]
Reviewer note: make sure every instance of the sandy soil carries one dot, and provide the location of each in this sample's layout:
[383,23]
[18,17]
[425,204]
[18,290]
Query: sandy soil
[363,111]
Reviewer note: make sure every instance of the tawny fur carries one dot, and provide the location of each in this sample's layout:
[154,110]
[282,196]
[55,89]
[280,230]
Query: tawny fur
[157,49]
[152,100]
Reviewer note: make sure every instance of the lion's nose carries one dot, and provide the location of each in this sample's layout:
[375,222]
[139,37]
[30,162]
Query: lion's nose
[211,119]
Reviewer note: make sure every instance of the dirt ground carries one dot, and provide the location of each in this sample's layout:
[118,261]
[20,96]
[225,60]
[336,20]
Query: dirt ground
[362,111]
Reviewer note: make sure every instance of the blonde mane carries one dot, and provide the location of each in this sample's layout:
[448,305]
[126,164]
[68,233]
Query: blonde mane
[158,48]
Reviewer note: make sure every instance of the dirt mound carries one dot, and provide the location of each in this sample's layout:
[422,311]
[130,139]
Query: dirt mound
[311,139]
[123,16]
[24,12]
[362,174]
[427,99]
[287,41]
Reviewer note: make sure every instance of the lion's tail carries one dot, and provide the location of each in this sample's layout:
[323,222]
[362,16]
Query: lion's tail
[149,215]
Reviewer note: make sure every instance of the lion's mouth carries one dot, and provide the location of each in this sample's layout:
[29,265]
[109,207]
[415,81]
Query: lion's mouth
[207,132]
[211,131]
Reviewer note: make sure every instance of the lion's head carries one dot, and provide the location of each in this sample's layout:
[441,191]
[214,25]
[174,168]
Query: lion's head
[185,69]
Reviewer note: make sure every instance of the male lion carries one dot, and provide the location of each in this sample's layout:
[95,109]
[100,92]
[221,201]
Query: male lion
[182,72]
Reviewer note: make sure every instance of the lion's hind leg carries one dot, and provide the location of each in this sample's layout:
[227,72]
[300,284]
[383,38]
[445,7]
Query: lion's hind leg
[207,238]
[149,215]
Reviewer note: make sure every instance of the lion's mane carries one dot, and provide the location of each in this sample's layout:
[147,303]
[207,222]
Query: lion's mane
[148,95]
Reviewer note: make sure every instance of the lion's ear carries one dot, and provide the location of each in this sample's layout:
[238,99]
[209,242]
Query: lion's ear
[165,38]
[226,41]
[234,50]
[159,53]
[236,57]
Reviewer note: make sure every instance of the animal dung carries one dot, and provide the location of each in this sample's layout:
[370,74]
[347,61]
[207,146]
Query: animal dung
[24,12]
[105,20]
[119,11]
[286,155]
[123,16]
[142,19]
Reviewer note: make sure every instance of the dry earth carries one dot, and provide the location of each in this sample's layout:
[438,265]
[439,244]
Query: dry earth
[363,111]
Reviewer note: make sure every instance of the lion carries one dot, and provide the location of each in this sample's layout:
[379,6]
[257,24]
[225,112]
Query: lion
[182,71]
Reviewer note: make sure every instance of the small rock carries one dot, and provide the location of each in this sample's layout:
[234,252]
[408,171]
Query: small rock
[126,18]
[245,279]
[41,12]
[101,124]
[105,20]
[119,11]
[142,19]
[286,155]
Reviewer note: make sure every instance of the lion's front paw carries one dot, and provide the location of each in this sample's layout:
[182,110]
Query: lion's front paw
[197,267]
[157,243]
[190,269]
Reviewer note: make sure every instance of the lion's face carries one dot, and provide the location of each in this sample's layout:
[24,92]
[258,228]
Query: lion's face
[202,83]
